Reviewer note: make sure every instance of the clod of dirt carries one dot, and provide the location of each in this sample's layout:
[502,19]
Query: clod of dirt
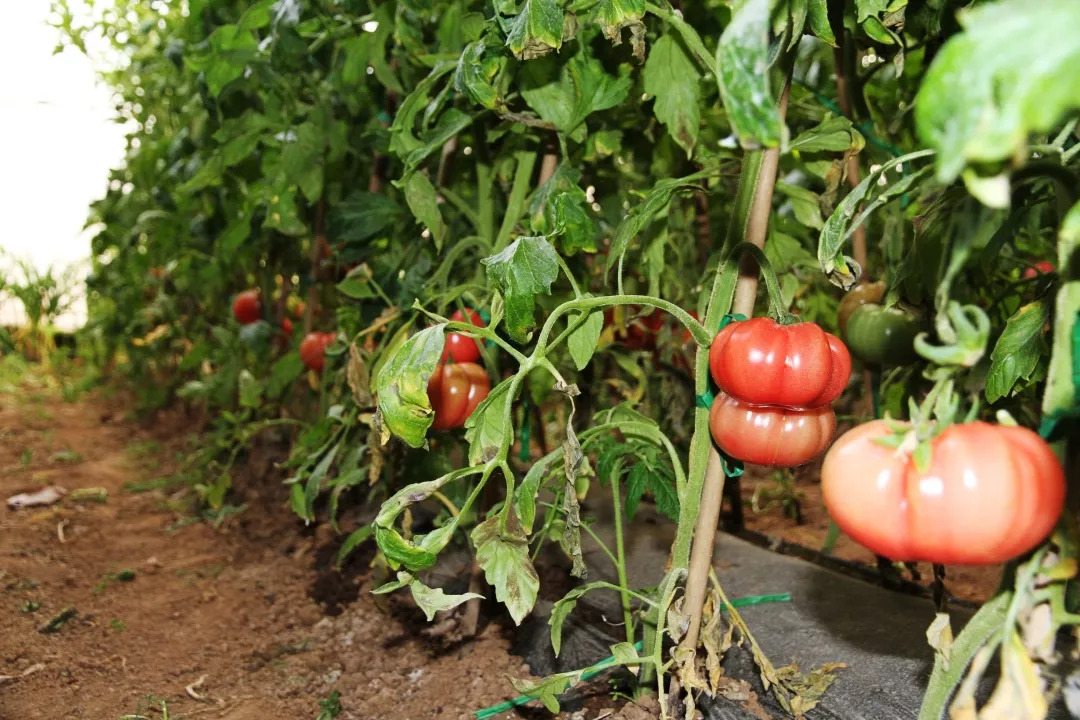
[44,496]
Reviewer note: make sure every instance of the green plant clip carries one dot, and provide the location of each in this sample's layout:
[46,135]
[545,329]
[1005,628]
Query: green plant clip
[705,399]
[732,467]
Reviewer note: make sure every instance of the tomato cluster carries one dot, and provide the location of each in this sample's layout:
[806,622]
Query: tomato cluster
[246,307]
[313,349]
[776,384]
[458,384]
[988,493]
[454,391]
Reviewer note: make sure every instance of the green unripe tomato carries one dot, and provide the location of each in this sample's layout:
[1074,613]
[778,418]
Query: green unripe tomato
[882,336]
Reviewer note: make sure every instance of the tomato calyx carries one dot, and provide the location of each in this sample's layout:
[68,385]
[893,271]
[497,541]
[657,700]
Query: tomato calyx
[963,330]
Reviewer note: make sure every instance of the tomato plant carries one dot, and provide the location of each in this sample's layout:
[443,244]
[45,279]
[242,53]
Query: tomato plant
[987,494]
[455,390]
[565,167]
[246,307]
[459,347]
[763,362]
[770,435]
[882,335]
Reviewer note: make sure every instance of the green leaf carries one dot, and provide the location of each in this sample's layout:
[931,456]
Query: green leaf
[433,600]
[663,492]
[537,30]
[786,252]
[361,216]
[450,124]
[250,390]
[561,609]
[805,204]
[475,74]
[582,342]
[403,579]
[422,200]
[673,80]
[357,288]
[819,21]
[565,93]
[526,492]
[524,269]
[1010,73]
[503,554]
[657,199]
[1018,350]
[397,550]
[869,8]
[234,235]
[402,385]
[742,60]
[209,174]
[356,538]
[833,134]
[485,428]
[284,370]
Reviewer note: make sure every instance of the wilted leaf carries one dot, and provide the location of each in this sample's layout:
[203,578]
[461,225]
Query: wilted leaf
[485,428]
[503,554]
[402,385]
[742,61]
[1018,350]
[524,269]
[433,600]
[671,77]
[537,29]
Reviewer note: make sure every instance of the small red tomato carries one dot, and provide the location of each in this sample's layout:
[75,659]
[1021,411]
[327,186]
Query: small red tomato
[313,349]
[768,434]
[1040,268]
[454,391]
[765,363]
[461,347]
[286,326]
[246,307]
[990,493]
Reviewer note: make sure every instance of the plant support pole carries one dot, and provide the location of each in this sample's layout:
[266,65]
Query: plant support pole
[757,226]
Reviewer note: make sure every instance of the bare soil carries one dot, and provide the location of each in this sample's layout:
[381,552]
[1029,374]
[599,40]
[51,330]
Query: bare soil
[224,623]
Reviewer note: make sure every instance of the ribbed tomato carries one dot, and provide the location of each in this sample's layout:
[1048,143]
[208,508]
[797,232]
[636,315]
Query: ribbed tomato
[246,307]
[768,434]
[461,347]
[454,391]
[765,363]
[313,349]
[990,493]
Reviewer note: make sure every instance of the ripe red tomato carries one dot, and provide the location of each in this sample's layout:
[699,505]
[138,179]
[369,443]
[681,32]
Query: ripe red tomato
[454,391]
[286,326]
[246,307]
[991,492]
[765,363]
[1041,268]
[461,348]
[313,349]
[768,434]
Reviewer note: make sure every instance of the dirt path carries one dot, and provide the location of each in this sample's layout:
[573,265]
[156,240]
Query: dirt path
[214,624]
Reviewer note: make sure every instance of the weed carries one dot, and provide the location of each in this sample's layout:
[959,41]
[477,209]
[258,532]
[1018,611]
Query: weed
[67,457]
[117,625]
[330,708]
[30,606]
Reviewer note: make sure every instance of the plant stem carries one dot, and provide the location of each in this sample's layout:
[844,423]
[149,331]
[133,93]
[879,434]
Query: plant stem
[620,564]
[756,229]
[526,160]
